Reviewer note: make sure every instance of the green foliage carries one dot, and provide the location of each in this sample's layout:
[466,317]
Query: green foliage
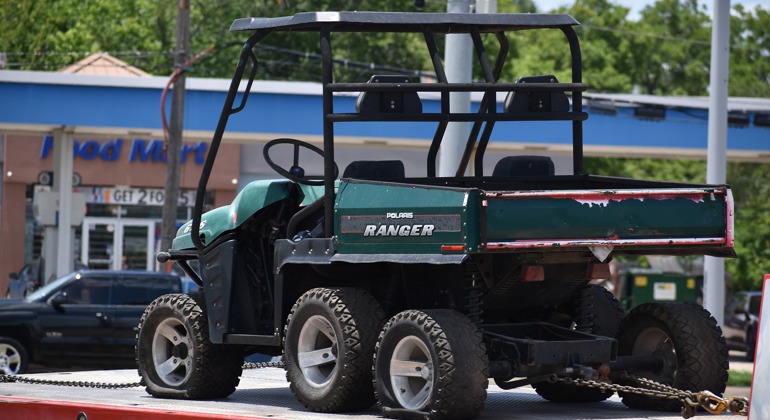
[739,378]
[673,55]
[749,51]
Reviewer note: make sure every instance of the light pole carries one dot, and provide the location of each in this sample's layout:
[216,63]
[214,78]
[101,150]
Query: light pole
[458,62]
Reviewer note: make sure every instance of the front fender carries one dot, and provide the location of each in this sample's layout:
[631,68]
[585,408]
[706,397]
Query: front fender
[254,197]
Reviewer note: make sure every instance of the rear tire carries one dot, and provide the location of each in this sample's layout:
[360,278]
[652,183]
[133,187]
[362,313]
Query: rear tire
[689,341]
[598,312]
[329,342]
[175,357]
[14,359]
[431,365]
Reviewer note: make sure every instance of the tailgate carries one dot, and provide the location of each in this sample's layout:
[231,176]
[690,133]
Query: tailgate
[664,221]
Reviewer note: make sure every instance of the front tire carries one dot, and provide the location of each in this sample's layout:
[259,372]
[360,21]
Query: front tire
[175,357]
[329,342]
[431,365]
[688,340]
[14,359]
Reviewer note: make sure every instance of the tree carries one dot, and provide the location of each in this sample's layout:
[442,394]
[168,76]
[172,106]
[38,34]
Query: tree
[672,57]
[750,52]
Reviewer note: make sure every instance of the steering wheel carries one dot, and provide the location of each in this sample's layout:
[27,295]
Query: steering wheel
[296,173]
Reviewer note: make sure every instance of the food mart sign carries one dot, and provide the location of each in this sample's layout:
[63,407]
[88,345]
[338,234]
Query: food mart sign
[139,150]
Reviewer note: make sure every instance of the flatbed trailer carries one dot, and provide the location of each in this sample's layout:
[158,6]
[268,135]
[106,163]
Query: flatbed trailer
[262,394]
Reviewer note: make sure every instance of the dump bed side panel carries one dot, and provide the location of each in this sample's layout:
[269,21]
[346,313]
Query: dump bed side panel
[619,218]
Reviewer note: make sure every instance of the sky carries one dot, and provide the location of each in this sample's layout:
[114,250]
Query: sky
[637,5]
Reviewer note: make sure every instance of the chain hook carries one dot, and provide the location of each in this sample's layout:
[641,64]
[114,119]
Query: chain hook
[740,406]
[712,403]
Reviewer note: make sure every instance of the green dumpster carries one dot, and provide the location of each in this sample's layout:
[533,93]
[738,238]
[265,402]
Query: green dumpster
[641,286]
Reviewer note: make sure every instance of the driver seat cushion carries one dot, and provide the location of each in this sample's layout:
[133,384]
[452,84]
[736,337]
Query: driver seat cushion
[375,170]
[511,166]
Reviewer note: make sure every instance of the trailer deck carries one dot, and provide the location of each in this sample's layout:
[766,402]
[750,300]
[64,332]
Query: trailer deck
[262,394]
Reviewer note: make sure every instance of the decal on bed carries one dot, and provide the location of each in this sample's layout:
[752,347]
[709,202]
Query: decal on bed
[400,224]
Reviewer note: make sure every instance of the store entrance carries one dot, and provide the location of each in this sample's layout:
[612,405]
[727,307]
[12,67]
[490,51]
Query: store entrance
[118,243]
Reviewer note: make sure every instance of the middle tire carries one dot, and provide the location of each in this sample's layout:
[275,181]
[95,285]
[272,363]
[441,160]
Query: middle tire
[329,342]
[431,364]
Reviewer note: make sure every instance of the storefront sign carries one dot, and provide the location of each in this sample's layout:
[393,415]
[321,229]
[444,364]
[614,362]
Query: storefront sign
[137,196]
[140,150]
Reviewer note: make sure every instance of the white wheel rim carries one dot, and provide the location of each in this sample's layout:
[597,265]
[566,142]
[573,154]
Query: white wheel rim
[317,351]
[411,373]
[172,350]
[655,341]
[10,361]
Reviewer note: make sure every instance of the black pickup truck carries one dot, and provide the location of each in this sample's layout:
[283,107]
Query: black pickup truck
[84,318]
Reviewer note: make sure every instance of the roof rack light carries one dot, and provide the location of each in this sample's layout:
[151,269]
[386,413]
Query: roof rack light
[762,119]
[737,119]
[650,112]
[602,107]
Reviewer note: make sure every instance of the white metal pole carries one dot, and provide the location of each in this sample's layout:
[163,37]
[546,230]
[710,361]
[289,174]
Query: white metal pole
[716,166]
[62,183]
[459,66]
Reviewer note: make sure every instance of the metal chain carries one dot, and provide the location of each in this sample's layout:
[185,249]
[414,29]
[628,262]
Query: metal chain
[108,385]
[276,364]
[81,384]
[689,400]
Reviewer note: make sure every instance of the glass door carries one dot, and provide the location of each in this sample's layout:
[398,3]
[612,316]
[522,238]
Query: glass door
[118,244]
[98,251]
[136,246]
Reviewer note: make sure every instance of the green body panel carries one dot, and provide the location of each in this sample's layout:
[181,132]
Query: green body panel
[254,197]
[510,219]
[381,218]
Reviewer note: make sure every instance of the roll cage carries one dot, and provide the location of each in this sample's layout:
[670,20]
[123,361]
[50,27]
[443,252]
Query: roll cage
[428,24]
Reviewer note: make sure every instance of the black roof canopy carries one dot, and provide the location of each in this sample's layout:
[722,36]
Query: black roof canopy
[405,22]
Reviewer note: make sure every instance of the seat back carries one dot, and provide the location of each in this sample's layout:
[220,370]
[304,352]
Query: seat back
[513,166]
[536,101]
[387,102]
[375,170]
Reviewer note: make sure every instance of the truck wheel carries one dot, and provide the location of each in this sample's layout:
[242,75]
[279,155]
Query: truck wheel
[175,357]
[688,340]
[751,343]
[13,357]
[598,309]
[431,364]
[328,347]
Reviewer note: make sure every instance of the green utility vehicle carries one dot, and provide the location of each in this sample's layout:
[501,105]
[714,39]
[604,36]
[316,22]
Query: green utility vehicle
[413,292]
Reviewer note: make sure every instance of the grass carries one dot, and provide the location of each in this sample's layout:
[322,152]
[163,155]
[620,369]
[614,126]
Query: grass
[739,378]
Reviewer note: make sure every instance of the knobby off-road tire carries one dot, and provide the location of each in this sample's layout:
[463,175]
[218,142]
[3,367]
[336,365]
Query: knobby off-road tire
[690,342]
[14,359]
[175,357]
[431,364]
[328,347]
[598,308]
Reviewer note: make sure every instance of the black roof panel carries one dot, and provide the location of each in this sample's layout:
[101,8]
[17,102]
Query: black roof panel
[405,22]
